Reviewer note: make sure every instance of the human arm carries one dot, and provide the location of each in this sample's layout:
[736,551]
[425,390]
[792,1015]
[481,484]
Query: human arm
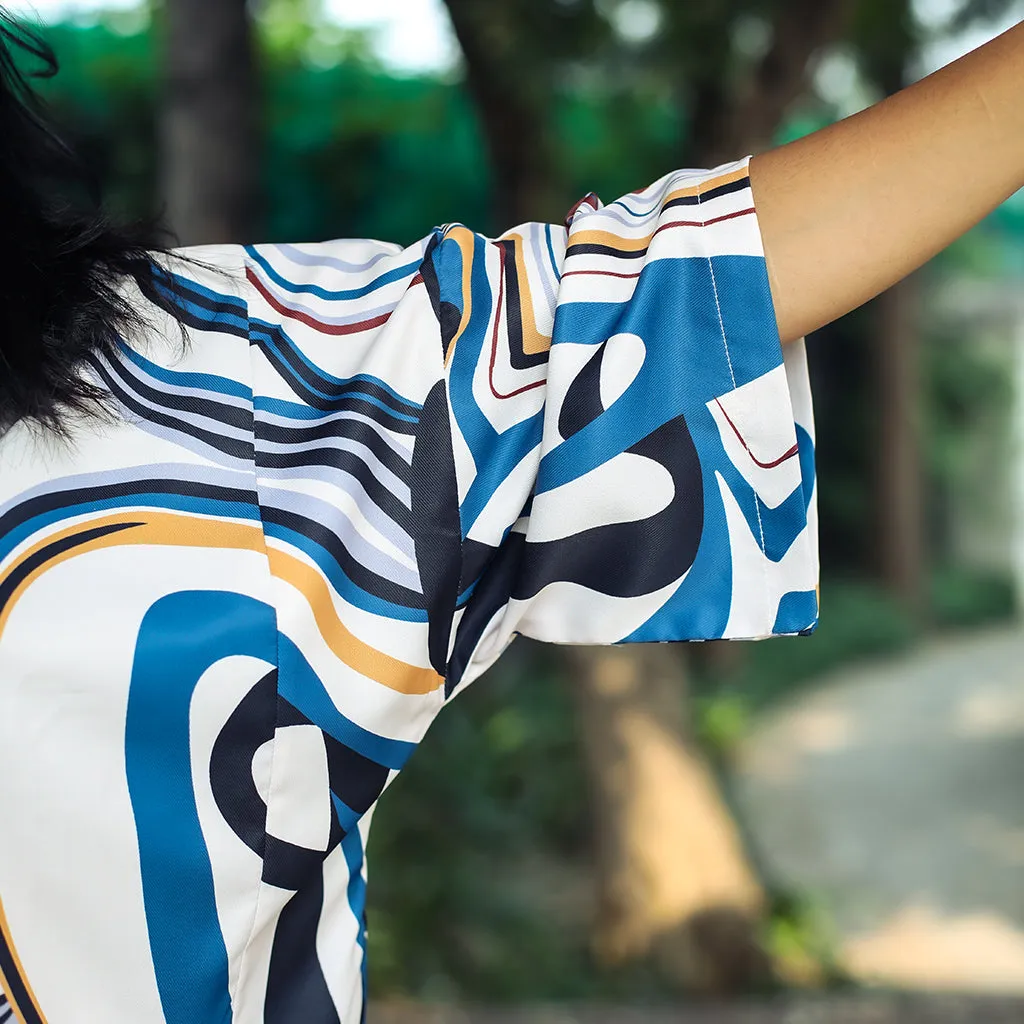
[849,210]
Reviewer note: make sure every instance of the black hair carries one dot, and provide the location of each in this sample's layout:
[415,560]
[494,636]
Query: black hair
[63,261]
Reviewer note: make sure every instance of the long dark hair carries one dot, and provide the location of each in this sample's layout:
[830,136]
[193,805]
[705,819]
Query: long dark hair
[62,260]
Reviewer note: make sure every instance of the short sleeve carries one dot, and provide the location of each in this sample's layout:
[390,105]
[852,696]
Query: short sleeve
[632,449]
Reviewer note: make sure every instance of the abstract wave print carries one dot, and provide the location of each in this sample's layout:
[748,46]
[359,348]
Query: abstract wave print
[228,615]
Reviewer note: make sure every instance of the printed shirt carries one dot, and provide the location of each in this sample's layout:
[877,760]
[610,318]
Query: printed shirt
[229,612]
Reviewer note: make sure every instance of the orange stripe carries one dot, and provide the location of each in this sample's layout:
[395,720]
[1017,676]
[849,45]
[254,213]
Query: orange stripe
[707,186]
[533,341]
[611,239]
[464,239]
[179,530]
[634,244]
[157,528]
[5,934]
[347,647]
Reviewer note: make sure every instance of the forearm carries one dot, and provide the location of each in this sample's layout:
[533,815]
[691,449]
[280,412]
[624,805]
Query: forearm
[850,210]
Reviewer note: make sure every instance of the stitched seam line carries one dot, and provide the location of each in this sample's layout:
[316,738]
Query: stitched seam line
[458,589]
[732,376]
[444,376]
[458,515]
[243,954]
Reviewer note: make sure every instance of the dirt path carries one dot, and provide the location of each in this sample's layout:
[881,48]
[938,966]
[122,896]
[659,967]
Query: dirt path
[865,1009]
[896,794]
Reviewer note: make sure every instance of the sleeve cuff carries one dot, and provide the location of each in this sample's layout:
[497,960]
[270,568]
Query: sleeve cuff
[691,443]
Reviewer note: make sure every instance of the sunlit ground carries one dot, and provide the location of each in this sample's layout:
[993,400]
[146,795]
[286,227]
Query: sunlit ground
[893,792]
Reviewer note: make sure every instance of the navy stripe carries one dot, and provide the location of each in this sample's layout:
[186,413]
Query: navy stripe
[583,249]
[712,193]
[236,447]
[327,385]
[353,402]
[270,337]
[326,539]
[350,429]
[43,503]
[39,558]
[230,415]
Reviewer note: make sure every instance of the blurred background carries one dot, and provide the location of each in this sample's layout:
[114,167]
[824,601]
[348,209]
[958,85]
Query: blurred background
[829,828]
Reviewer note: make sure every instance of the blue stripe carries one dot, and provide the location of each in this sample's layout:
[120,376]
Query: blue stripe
[238,315]
[297,411]
[301,687]
[265,331]
[290,410]
[352,847]
[494,454]
[390,276]
[806,446]
[188,379]
[340,581]
[551,252]
[207,317]
[142,500]
[653,208]
[347,818]
[181,636]
[495,463]
[188,284]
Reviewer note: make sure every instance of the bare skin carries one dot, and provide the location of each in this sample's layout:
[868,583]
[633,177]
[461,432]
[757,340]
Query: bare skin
[850,210]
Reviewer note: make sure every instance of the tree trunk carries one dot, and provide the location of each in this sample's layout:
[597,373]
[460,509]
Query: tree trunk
[900,509]
[512,115]
[729,126]
[208,125]
[673,882]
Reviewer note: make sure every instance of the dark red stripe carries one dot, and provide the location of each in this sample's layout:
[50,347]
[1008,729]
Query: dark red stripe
[311,321]
[494,339]
[599,273]
[701,223]
[757,462]
[636,253]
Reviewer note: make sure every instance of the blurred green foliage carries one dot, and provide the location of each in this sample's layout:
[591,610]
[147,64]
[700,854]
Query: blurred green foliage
[350,151]
[800,935]
[477,844]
